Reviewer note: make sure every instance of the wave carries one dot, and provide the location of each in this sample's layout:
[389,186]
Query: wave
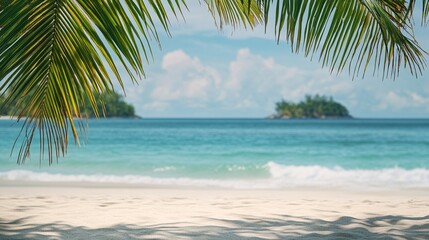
[164,169]
[280,176]
[337,176]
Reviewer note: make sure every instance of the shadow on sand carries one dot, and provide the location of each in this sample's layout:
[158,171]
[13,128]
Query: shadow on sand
[281,227]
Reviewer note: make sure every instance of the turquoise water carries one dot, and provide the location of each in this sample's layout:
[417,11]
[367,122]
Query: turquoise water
[237,153]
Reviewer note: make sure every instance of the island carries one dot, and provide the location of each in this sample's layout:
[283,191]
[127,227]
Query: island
[115,107]
[315,107]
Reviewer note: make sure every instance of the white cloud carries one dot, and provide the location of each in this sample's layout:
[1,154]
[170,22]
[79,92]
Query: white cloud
[183,78]
[174,61]
[402,100]
[419,100]
[249,67]
[392,100]
[165,93]
[156,106]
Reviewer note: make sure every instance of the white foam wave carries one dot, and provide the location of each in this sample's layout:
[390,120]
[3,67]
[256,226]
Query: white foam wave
[164,169]
[281,176]
[29,176]
[236,168]
[337,176]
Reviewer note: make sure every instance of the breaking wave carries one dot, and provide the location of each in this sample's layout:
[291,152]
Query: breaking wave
[280,176]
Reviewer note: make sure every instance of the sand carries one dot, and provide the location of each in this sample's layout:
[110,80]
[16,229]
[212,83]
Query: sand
[99,212]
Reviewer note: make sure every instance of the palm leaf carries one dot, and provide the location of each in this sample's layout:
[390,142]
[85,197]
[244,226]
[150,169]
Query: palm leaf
[235,13]
[425,11]
[356,34]
[53,53]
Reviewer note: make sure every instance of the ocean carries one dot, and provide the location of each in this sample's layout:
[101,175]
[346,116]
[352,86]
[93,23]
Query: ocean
[234,153]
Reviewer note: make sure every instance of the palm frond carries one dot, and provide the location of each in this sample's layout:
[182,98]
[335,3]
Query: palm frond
[353,32]
[53,53]
[425,11]
[356,34]
[235,13]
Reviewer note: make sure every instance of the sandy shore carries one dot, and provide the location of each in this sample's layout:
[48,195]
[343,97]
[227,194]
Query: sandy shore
[52,212]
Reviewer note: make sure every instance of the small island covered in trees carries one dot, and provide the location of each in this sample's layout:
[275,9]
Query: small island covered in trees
[115,107]
[318,107]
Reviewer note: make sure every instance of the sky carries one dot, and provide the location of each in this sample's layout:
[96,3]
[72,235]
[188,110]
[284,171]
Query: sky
[204,72]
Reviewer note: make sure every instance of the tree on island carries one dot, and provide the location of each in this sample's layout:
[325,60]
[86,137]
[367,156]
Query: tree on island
[12,109]
[114,107]
[3,109]
[312,107]
[56,53]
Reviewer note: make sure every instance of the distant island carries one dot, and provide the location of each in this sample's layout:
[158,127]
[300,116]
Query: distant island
[115,107]
[316,107]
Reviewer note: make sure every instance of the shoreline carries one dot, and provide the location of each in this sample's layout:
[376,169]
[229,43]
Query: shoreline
[334,191]
[147,213]
[6,117]
[277,176]
[363,189]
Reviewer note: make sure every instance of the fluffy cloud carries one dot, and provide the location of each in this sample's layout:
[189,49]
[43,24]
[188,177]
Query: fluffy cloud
[403,100]
[184,78]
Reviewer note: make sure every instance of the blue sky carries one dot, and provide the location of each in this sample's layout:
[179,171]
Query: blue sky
[204,72]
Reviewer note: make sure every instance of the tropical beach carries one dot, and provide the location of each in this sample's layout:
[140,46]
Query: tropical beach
[226,119]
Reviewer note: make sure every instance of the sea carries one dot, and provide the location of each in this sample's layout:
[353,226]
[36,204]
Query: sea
[232,153]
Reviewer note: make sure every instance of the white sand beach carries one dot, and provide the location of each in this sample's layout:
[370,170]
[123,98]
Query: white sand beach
[97,212]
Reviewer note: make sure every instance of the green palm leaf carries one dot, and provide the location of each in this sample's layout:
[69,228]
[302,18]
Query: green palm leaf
[425,11]
[53,53]
[235,13]
[356,34]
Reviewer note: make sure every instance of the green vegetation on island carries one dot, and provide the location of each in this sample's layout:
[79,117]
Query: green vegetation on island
[11,109]
[312,107]
[115,107]
[3,109]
